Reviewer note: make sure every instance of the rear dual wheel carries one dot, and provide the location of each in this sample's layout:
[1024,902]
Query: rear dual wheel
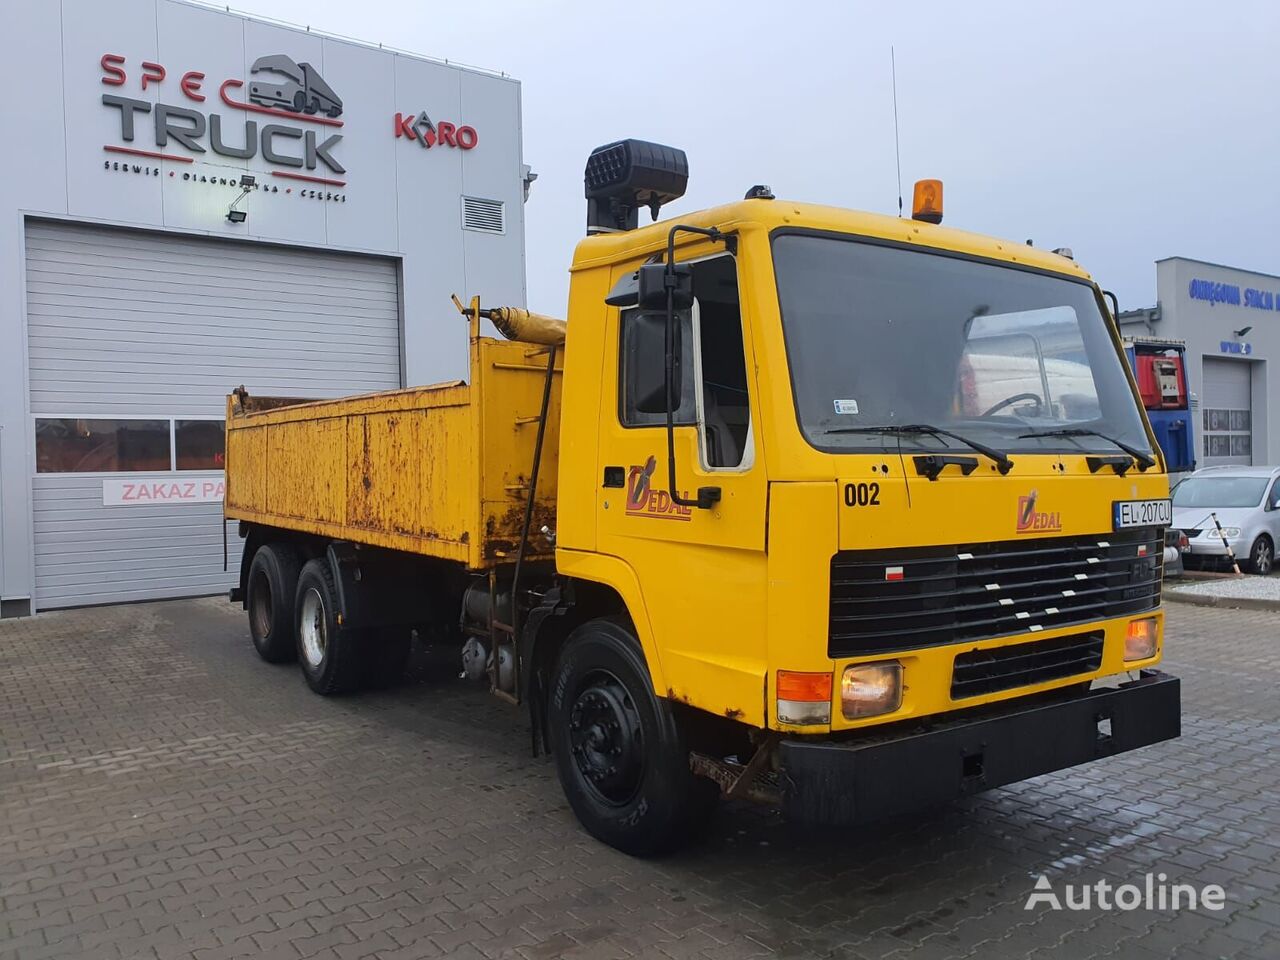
[269,596]
[335,658]
[619,750]
[328,652]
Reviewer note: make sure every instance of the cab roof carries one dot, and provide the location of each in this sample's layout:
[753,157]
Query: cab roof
[775,214]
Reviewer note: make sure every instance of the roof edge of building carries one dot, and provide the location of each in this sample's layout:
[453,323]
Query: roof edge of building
[341,38]
[1221,266]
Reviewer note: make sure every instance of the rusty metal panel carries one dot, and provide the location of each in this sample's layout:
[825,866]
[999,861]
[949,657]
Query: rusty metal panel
[307,464]
[512,377]
[441,470]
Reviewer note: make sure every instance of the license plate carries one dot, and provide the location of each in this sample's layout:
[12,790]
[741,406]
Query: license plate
[1141,513]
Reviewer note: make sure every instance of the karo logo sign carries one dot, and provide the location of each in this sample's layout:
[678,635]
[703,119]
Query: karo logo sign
[281,88]
[1031,520]
[644,501]
[428,133]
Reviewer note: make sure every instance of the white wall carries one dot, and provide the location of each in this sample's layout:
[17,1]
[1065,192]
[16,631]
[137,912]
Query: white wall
[1206,325]
[401,200]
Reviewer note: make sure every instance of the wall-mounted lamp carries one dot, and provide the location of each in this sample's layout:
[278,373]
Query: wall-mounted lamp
[1242,332]
[247,183]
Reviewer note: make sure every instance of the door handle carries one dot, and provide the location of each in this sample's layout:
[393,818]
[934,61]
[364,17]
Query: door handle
[614,477]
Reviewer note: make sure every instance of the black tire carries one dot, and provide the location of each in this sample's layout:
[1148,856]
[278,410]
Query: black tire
[619,751]
[299,101]
[1262,556]
[269,595]
[328,653]
[387,656]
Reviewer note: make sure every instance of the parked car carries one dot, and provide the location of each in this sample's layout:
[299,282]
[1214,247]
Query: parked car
[1246,501]
[1175,545]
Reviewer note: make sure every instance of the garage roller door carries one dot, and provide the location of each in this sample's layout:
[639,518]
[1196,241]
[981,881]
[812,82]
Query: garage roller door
[1227,417]
[132,336]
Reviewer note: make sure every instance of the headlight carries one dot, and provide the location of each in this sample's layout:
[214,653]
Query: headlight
[1231,532]
[870,689]
[1140,641]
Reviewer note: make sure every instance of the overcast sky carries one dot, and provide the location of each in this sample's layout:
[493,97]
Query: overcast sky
[1128,131]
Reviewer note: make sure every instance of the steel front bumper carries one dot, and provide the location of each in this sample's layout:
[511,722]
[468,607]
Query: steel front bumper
[845,781]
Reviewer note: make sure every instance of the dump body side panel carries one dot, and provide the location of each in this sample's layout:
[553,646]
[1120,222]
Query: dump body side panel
[440,471]
[513,381]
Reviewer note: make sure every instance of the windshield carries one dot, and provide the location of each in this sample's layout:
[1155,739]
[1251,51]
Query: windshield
[882,336]
[1220,492]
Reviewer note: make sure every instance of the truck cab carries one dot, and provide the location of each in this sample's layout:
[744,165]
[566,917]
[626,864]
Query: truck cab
[928,493]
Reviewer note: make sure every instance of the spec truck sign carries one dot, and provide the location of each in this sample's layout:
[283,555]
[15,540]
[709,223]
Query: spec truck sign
[147,491]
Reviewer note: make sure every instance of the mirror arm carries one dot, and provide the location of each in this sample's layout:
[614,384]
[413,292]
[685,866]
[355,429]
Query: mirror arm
[707,497]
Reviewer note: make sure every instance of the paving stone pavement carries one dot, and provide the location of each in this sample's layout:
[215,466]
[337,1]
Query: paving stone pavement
[163,793]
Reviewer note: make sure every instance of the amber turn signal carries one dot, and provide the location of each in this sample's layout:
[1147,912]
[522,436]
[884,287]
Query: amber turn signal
[1140,641]
[804,698]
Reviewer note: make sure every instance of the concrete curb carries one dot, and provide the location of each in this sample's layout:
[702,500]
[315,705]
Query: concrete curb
[1213,600]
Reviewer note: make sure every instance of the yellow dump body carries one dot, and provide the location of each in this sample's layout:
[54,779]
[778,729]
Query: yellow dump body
[442,470]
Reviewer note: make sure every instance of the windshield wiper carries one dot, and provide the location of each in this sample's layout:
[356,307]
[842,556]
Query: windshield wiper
[912,429]
[1144,460]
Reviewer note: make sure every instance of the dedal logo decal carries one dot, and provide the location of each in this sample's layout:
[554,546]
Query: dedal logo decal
[644,501]
[1031,520]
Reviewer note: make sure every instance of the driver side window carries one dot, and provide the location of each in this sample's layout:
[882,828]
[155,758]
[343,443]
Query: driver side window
[710,368]
[724,410]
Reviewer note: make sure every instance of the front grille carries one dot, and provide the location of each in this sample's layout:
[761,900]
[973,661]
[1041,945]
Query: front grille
[1023,664]
[899,599]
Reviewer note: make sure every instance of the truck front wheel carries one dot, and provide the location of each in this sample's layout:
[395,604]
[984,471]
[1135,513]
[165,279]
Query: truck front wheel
[327,652]
[618,748]
[272,582]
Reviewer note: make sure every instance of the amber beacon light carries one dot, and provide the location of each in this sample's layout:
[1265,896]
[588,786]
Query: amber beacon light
[926,203]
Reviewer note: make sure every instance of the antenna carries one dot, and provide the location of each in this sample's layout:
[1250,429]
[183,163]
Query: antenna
[897,149]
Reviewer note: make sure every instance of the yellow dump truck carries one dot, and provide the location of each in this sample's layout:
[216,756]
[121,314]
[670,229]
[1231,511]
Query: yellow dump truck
[846,513]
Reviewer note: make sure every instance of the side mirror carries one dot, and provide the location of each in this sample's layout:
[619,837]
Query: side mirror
[647,345]
[653,286]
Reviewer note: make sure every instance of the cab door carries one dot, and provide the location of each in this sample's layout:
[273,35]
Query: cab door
[702,571]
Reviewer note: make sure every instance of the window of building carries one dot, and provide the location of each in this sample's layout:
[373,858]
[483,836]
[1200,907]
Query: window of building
[199,444]
[67,445]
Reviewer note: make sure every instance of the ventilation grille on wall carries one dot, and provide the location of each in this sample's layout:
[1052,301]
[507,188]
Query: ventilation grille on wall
[488,216]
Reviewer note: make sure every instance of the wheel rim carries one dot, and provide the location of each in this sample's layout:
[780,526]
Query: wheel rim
[260,604]
[312,628]
[1262,557]
[606,739]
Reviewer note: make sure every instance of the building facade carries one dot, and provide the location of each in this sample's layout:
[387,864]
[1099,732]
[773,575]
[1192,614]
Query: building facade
[1230,320]
[195,200]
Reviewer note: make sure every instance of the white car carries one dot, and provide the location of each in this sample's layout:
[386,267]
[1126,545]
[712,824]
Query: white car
[1246,502]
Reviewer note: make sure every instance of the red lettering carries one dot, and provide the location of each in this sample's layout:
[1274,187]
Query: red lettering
[189,491]
[143,493]
[404,126]
[445,132]
[130,493]
[112,75]
[467,137]
[151,72]
[190,84]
